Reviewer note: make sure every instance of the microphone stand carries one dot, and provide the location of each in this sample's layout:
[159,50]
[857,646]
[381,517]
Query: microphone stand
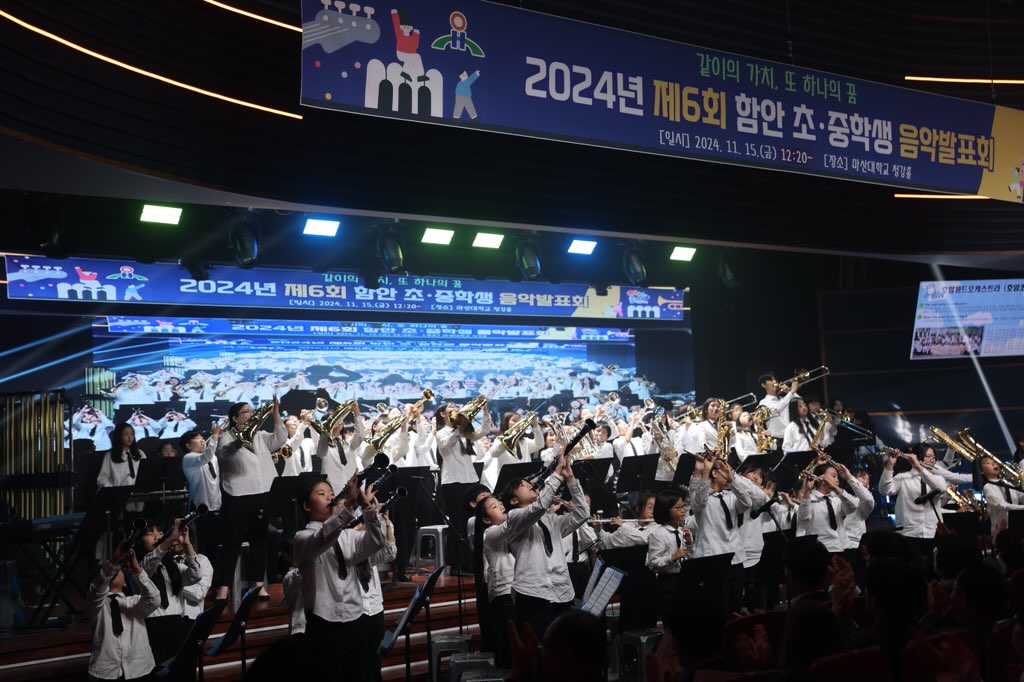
[458,547]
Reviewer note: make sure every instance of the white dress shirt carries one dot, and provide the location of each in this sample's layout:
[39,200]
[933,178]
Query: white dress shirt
[245,471]
[498,456]
[203,486]
[795,440]
[324,592]
[195,594]
[703,436]
[292,584]
[776,425]
[98,432]
[586,539]
[713,535]
[538,574]
[303,448]
[745,443]
[662,542]
[856,523]
[812,518]
[338,474]
[500,564]
[628,447]
[128,654]
[950,476]
[457,467]
[626,535]
[1000,502]
[175,428]
[152,564]
[916,520]
[113,474]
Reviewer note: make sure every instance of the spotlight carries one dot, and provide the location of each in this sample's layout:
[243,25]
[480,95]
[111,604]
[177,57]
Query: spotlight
[197,268]
[583,247]
[437,235]
[168,215]
[633,266]
[390,250]
[321,227]
[683,253]
[244,237]
[528,258]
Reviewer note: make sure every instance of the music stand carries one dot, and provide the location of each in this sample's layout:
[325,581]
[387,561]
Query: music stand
[636,608]
[1015,518]
[183,664]
[283,501]
[159,473]
[107,506]
[637,473]
[969,523]
[601,497]
[771,570]
[684,469]
[403,628]
[788,468]
[704,572]
[511,472]
[237,628]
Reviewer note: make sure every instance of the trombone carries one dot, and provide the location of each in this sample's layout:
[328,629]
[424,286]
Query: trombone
[843,419]
[804,376]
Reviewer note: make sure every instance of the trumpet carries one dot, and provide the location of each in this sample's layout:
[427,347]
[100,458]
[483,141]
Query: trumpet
[804,376]
[612,368]
[138,528]
[609,397]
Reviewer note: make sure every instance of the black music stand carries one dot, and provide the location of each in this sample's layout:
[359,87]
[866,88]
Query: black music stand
[404,510]
[1015,519]
[636,608]
[637,473]
[237,628]
[970,524]
[190,656]
[403,628]
[705,573]
[591,477]
[511,472]
[107,507]
[684,469]
[283,501]
[159,474]
[787,470]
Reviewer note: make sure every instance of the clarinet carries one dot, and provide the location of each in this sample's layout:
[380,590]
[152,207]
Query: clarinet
[588,426]
[399,492]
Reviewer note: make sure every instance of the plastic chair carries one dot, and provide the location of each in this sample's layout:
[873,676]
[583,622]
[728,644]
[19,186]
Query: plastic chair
[428,534]
[460,664]
[854,666]
[441,645]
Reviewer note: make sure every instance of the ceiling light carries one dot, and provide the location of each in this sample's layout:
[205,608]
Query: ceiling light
[168,215]
[244,237]
[488,240]
[938,196]
[390,250]
[582,246]
[437,235]
[527,258]
[983,81]
[321,228]
[683,253]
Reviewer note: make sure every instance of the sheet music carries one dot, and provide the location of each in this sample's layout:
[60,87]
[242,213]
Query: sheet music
[595,575]
[603,593]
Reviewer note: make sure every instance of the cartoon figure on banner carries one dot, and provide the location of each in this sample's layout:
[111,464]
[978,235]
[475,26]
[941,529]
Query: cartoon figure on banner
[1017,181]
[458,39]
[131,292]
[86,277]
[335,30]
[464,94]
[127,272]
[404,86]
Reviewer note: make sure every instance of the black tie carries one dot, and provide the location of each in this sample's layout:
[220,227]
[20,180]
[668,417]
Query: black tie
[519,453]
[342,568]
[576,545]
[213,472]
[833,524]
[145,432]
[679,541]
[131,465]
[467,447]
[115,616]
[739,520]
[548,547]
[341,454]
[158,580]
[924,488]
[633,445]
[362,570]
[92,431]
[725,510]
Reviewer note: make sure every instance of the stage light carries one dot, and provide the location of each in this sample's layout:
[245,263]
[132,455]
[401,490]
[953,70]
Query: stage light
[390,250]
[528,258]
[633,266]
[244,237]
[167,215]
[899,195]
[437,235]
[582,246]
[197,268]
[488,240]
[321,227]
[683,253]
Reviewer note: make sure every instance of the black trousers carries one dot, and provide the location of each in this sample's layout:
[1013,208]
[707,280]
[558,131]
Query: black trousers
[923,550]
[452,495]
[488,634]
[537,613]
[502,612]
[166,635]
[356,641]
[403,515]
[242,520]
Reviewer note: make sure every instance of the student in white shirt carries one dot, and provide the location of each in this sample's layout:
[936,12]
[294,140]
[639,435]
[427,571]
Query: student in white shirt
[90,423]
[121,465]
[455,439]
[340,585]
[173,565]
[668,543]
[800,430]
[202,475]
[917,513]
[823,512]
[744,439]
[498,455]
[779,404]
[493,556]
[578,547]
[551,448]
[176,425]
[300,460]
[630,532]
[120,644]
[542,587]
[337,458]
[624,444]
[246,477]
[718,497]
[1000,498]
[856,523]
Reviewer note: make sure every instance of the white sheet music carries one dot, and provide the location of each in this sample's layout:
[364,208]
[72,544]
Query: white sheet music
[603,593]
[595,575]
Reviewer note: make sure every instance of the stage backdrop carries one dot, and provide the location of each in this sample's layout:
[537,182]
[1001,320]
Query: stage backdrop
[503,69]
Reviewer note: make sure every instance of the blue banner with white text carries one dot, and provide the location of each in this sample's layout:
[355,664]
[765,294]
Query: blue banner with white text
[494,67]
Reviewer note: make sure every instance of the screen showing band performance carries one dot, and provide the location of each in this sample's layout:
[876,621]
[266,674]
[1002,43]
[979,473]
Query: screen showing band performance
[168,375]
[956,319]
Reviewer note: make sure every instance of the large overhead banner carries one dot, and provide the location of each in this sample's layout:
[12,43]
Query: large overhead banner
[957,319]
[91,280]
[499,68]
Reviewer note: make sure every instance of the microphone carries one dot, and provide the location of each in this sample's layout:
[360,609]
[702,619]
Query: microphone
[927,497]
[764,507]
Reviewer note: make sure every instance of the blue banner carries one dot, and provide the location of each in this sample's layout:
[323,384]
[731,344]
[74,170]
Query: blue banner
[504,69]
[207,326]
[108,281]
